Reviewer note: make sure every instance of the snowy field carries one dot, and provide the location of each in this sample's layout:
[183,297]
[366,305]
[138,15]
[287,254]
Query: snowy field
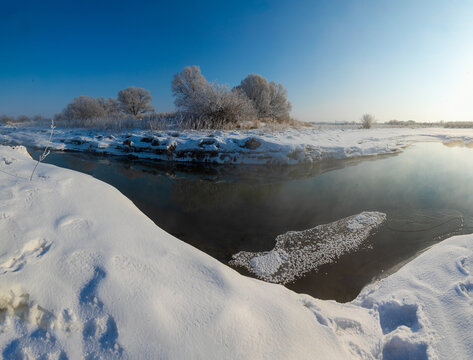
[292,146]
[85,274]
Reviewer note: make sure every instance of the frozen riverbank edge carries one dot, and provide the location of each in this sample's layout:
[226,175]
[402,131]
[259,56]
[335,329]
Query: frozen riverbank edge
[83,272]
[261,147]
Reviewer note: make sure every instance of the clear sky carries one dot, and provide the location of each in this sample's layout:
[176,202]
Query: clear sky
[397,59]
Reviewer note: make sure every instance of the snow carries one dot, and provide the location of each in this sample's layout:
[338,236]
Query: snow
[267,264]
[298,252]
[84,274]
[260,146]
[427,304]
[364,220]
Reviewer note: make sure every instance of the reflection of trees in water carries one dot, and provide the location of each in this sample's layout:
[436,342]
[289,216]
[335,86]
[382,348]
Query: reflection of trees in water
[260,174]
[194,195]
[78,163]
[129,171]
[255,174]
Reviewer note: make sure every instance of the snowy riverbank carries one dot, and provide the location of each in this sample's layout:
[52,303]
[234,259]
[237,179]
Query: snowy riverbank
[84,272]
[292,146]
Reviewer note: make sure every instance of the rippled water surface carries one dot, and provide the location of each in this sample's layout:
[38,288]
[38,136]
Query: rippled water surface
[426,192]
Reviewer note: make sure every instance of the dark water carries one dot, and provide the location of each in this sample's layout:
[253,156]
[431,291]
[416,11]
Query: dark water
[427,193]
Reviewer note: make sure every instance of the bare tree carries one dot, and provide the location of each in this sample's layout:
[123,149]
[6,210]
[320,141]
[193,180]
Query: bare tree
[83,108]
[269,99]
[135,101]
[367,120]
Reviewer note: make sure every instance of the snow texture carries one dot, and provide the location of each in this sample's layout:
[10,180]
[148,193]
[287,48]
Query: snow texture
[262,146]
[298,252]
[86,275]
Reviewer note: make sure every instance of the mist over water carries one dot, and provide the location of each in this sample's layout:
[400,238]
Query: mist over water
[425,192]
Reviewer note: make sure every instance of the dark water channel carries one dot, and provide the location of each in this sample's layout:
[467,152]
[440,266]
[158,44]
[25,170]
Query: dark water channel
[426,192]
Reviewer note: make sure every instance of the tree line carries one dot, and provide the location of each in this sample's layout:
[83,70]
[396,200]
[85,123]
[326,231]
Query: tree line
[198,102]
[131,101]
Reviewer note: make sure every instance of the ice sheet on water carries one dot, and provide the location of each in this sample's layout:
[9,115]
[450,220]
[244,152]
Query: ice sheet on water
[298,252]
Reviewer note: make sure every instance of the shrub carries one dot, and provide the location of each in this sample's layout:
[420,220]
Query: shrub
[458,124]
[18,120]
[135,101]
[208,105]
[5,119]
[59,117]
[367,120]
[153,121]
[40,118]
[221,107]
[268,98]
[22,119]
[83,108]
[111,106]
[401,123]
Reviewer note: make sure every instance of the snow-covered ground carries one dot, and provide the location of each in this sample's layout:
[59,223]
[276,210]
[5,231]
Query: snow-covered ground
[292,146]
[84,274]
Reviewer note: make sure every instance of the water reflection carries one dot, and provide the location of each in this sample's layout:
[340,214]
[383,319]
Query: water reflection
[425,192]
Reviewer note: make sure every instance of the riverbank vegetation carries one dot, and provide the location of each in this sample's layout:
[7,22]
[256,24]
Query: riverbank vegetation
[200,104]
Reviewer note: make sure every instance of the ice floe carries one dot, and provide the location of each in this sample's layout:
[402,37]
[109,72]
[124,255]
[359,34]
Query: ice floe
[298,252]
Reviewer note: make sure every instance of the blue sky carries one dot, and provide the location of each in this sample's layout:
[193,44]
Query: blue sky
[396,59]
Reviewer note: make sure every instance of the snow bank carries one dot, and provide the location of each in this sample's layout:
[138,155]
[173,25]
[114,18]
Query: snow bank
[425,309]
[84,274]
[292,146]
[298,252]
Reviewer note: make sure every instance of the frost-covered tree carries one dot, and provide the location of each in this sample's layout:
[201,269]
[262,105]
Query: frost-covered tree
[135,101]
[220,106]
[367,121]
[279,106]
[257,89]
[189,87]
[208,104]
[83,108]
[268,98]
[110,106]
